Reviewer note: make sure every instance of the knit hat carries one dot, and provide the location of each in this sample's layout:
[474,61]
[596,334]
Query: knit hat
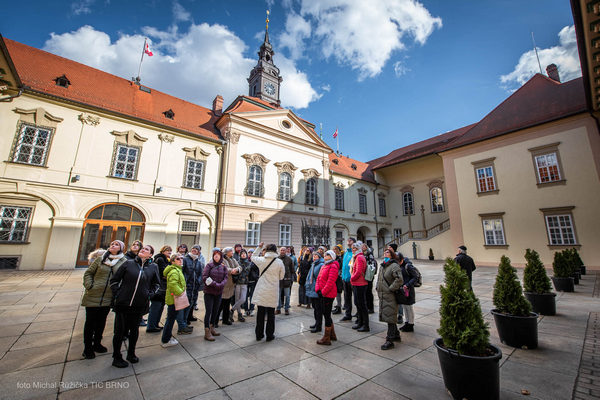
[216,249]
[394,246]
[357,245]
[339,246]
[463,247]
[331,254]
[197,247]
[121,244]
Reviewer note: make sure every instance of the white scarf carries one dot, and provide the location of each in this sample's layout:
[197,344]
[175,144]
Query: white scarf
[113,259]
[194,257]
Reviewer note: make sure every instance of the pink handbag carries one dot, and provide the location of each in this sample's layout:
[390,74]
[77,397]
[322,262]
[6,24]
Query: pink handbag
[181,301]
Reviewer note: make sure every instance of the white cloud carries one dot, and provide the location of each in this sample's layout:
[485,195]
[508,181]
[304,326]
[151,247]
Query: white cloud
[296,30]
[400,69]
[564,55]
[364,34]
[326,88]
[180,13]
[195,65]
[82,7]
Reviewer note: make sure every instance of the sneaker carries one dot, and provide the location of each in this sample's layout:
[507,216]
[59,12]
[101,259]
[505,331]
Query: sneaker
[143,322]
[153,330]
[171,342]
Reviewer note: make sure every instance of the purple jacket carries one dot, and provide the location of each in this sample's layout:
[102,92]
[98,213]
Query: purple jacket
[218,273]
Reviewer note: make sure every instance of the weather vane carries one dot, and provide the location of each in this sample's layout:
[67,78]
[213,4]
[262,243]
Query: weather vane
[267,19]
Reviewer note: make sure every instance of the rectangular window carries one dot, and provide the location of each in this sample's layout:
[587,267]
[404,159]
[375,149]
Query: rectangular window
[194,174]
[339,199]
[397,233]
[362,203]
[339,237]
[126,159]
[285,234]
[485,179]
[493,232]
[560,229]
[14,223]
[253,233]
[382,212]
[547,168]
[32,145]
[189,226]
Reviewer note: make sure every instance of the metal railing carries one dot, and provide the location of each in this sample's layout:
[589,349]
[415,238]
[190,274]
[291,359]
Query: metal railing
[420,234]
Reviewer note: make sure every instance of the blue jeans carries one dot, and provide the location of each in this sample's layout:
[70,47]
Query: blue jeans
[156,309]
[248,305]
[284,292]
[172,315]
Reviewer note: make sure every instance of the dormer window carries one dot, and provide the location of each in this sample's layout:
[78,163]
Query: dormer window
[353,166]
[62,81]
[335,161]
[169,114]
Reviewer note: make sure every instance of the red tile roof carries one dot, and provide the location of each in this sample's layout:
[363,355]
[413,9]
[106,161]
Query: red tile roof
[344,167]
[38,70]
[538,101]
[247,103]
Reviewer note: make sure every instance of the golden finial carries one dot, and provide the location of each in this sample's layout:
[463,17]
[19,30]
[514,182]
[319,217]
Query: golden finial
[267,19]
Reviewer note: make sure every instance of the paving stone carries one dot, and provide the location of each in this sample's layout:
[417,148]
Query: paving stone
[42,339]
[307,341]
[371,391]
[243,336]
[277,353]
[49,326]
[179,381]
[218,394]
[232,367]
[154,357]
[55,316]
[124,389]
[515,376]
[6,343]
[412,383]
[12,330]
[99,369]
[321,378]
[200,348]
[399,353]
[267,386]
[35,383]
[34,357]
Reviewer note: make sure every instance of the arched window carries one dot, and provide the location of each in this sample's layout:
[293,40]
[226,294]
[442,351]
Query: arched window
[311,192]
[407,202]
[437,200]
[255,181]
[285,186]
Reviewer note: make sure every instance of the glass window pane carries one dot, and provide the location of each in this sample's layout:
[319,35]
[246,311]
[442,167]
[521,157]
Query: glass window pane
[117,212]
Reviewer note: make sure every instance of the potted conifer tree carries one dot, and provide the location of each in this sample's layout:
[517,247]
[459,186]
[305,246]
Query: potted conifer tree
[469,363]
[537,285]
[562,279]
[516,324]
[430,254]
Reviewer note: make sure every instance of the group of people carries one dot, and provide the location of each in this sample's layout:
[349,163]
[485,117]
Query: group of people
[137,282]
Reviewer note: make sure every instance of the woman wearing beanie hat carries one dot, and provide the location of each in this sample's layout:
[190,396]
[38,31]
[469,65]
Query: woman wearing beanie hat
[327,291]
[98,297]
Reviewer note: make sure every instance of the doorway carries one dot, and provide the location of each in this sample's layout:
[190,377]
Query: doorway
[108,222]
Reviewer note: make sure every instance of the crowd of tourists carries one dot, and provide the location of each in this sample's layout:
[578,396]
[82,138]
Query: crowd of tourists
[237,281]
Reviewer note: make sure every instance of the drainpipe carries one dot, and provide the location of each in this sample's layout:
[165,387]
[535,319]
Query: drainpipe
[162,138]
[10,98]
[375,218]
[222,171]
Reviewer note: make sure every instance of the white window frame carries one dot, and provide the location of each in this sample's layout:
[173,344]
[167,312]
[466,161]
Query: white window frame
[362,203]
[488,172]
[559,233]
[254,182]
[252,233]
[285,186]
[17,224]
[311,192]
[339,199]
[492,235]
[193,179]
[397,233]
[285,234]
[550,160]
[437,200]
[382,207]
[408,200]
[125,162]
[33,146]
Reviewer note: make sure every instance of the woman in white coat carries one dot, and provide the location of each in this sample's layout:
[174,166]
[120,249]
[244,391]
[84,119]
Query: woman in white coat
[266,293]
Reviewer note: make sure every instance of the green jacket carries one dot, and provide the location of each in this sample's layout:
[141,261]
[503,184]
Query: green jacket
[95,280]
[175,283]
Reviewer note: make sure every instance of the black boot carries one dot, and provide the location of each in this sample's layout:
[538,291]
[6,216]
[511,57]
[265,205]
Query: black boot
[358,324]
[337,310]
[88,354]
[364,328]
[132,358]
[408,327]
[387,345]
[316,329]
[119,362]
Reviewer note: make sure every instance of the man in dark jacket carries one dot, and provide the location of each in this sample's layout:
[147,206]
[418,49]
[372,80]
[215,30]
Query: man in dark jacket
[192,271]
[466,263]
[285,285]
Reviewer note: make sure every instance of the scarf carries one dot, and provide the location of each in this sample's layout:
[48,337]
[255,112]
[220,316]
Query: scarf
[194,257]
[329,262]
[113,259]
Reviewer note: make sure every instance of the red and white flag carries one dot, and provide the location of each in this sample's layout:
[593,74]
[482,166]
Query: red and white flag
[147,49]
[335,133]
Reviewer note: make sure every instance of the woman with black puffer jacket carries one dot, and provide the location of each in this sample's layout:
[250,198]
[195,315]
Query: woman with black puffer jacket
[157,302]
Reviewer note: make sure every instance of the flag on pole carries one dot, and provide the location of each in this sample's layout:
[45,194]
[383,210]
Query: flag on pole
[147,49]
[335,133]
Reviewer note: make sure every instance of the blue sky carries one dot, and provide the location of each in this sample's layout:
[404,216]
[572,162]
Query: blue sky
[399,71]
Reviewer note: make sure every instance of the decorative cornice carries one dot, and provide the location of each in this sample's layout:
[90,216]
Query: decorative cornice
[325,163]
[285,166]
[163,137]
[129,137]
[362,190]
[196,152]
[310,173]
[435,183]
[230,135]
[89,119]
[339,185]
[407,188]
[256,158]
[38,116]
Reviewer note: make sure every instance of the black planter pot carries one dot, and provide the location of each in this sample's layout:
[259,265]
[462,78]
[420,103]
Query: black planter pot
[515,331]
[563,284]
[544,303]
[468,377]
[575,277]
[431,258]
[582,270]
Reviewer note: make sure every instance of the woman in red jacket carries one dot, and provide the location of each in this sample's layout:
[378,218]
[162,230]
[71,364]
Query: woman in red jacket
[327,291]
[359,287]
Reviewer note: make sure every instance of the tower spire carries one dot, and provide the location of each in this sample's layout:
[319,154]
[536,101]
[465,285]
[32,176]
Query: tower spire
[267,29]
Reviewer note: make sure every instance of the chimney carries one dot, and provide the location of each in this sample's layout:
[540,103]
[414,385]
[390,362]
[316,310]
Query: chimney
[218,105]
[552,71]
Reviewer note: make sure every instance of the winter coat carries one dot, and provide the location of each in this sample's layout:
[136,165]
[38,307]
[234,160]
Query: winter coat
[133,284]
[162,262]
[305,264]
[253,274]
[130,255]
[409,275]
[326,279]
[466,263]
[231,265]
[96,282]
[192,270]
[266,293]
[175,283]
[218,273]
[244,264]
[346,265]
[371,261]
[288,264]
[359,267]
[311,280]
[391,273]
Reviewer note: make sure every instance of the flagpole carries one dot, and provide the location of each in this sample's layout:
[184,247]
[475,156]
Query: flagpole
[337,138]
[142,59]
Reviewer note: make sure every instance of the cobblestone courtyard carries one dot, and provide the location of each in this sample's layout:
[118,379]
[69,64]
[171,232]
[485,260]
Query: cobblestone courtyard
[41,344]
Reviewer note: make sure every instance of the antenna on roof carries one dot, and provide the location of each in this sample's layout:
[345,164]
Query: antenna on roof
[536,53]
[321,132]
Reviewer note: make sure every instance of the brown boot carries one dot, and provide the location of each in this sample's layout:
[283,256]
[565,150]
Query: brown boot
[213,332]
[333,336]
[326,339]
[207,335]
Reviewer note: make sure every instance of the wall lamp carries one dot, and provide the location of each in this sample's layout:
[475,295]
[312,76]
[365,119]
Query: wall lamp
[75,178]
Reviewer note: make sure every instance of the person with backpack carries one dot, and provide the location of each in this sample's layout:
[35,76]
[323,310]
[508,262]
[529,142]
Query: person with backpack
[346,280]
[241,285]
[285,286]
[359,286]
[388,283]
[370,276]
[411,277]
[193,265]
[252,279]
[311,293]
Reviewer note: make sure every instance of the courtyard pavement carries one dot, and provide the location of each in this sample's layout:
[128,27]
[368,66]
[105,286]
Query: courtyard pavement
[41,344]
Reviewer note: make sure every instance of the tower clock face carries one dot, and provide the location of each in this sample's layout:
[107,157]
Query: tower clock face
[269,88]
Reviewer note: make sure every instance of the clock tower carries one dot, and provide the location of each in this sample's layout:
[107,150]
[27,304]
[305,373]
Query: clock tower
[264,81]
